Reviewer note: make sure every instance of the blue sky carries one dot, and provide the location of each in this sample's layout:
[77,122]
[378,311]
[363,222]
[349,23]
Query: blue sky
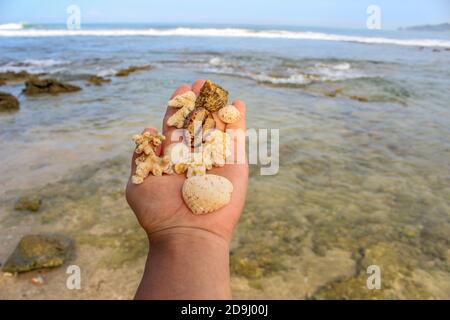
[327,13]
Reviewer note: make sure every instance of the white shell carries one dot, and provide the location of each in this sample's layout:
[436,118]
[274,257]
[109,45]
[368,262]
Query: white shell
[206,193]
[229,114]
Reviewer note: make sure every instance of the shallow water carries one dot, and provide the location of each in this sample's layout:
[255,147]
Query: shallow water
[364,171]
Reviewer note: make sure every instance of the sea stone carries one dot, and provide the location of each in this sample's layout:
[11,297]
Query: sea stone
[125,72]
[96,80]
[37,86]
[14,76]
[39,251]
[212,97]
[32,203]
[8,102]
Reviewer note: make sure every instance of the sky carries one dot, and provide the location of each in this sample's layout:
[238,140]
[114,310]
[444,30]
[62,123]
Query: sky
[317,13]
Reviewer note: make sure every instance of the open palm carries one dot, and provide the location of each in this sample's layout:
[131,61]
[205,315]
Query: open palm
[158,202]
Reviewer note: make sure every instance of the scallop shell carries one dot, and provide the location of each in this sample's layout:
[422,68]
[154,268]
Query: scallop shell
[229,114]
[206,193]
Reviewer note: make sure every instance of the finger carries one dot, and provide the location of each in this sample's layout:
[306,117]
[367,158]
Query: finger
[197,86]
[237,132]
[219,123]
[167,131]
[135,155]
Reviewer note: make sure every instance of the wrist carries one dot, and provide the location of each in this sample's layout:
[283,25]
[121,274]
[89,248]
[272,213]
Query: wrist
[180,237]
[186,263]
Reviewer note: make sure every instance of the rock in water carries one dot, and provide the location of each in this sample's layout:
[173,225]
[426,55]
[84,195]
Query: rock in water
[8,102]
[39,86]
[98,81]
[131,69]
[39,251]
[11,76]
[32,203]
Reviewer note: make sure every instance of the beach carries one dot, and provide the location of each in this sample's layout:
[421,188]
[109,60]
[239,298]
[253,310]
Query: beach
[364,175]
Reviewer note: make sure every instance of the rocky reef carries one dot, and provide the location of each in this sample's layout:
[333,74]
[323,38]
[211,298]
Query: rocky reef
[39,251]
[35,86]
[97,80]
[8,102]
[131,69]
[28,203]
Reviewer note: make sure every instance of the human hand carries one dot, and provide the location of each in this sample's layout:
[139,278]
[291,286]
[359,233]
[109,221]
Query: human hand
[158,202]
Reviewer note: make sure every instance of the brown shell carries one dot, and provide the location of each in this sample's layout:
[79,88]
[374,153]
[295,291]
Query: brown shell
[192,124]
[212,97]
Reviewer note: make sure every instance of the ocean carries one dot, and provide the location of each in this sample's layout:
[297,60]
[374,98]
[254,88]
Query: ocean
[364,173]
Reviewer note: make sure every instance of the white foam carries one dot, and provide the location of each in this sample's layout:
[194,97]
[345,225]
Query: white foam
[31,65]
[11,26]
[225,32]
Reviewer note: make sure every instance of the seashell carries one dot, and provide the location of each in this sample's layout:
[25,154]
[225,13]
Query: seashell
[186,99]
[229,114]
[206,193]
[198,121]
[212,97]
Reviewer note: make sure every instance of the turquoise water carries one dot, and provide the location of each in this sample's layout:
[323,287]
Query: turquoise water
[364,145]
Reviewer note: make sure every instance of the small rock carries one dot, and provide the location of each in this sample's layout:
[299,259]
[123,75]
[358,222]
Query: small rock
[359,98]
[39,280]
[125,72]
[96,80]
[39,86]
[8,102]
[32,203]
[11,76]
[39,251]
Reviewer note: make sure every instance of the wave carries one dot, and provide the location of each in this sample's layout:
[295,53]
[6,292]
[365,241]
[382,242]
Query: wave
[225,32]
[32,65]
[303,73]
[12,26]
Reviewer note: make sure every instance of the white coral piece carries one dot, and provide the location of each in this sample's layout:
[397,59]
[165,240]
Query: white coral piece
[216,148]
[179,117]
[149,162]
[186,99]
[213,153]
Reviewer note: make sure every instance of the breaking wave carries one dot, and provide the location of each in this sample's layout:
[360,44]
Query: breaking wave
[302,74]
[13,30]
[12,26]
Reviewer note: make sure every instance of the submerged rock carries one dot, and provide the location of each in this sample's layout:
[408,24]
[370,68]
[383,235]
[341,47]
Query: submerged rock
[98,81]
[39,251]
[32,203]
[8,102]
[38,86]
[125,72]
[359,98]
[11,76]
